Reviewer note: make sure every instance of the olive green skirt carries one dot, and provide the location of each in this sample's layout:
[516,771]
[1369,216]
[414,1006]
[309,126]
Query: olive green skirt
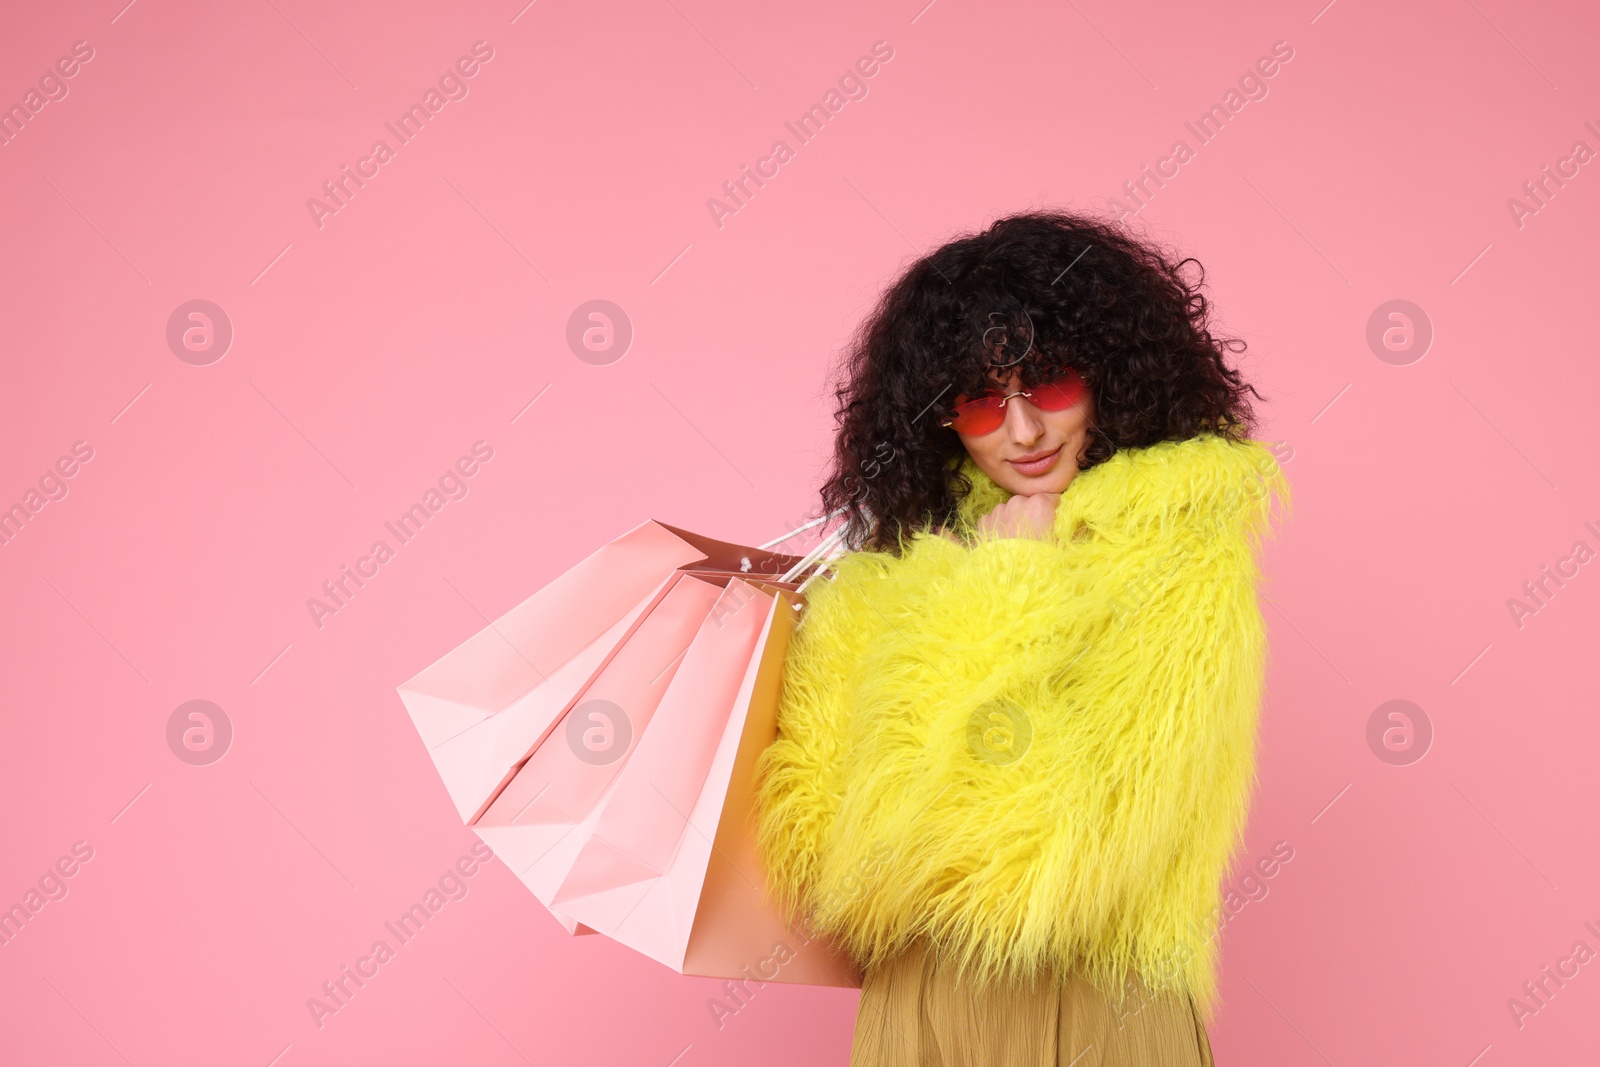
[914,1014]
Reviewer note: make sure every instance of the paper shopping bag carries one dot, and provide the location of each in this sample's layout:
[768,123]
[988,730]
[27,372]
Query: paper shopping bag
[668,865]
[485,705]
[562,782]
[618,784]
[734,919]
[636,834]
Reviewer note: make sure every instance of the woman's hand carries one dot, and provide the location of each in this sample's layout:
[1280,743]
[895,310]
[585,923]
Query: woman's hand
[1022,516]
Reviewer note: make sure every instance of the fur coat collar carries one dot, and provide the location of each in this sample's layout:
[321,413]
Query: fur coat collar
[1035,754]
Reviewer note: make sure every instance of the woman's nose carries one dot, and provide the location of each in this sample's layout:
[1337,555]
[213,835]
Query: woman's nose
[1022,420]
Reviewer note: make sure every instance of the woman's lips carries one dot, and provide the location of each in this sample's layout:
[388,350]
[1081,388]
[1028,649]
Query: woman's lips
[1037,466]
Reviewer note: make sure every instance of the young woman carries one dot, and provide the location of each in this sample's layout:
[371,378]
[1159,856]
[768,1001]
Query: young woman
[1016,734]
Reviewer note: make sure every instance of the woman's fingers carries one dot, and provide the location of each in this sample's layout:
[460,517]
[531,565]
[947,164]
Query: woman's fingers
[1022,516]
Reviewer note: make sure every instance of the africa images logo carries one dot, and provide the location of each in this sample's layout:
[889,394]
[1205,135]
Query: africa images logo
[451,85]
[452,485]
[852,85]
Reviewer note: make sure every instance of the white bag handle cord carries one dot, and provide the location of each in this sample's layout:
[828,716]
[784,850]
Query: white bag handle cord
[802,529]
[827,549]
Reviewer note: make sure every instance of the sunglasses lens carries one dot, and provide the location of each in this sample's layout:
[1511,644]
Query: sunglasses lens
[1060,394]
[978,417]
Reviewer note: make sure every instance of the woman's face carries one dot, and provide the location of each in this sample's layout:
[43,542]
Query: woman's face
[1033,451]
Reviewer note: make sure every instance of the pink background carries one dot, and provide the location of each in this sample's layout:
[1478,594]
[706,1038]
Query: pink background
[432,309]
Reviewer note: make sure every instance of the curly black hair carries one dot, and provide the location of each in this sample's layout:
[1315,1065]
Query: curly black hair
[1037,292]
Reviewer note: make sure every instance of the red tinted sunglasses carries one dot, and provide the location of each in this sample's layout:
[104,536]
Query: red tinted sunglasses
[986,414]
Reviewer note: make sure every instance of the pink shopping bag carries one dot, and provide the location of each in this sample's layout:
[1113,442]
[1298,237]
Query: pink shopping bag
[596,736]
[669,864]
[636,833]
[560,785]
[482,708]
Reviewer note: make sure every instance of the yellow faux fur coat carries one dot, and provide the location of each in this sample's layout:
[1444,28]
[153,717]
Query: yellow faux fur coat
[1038,754]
